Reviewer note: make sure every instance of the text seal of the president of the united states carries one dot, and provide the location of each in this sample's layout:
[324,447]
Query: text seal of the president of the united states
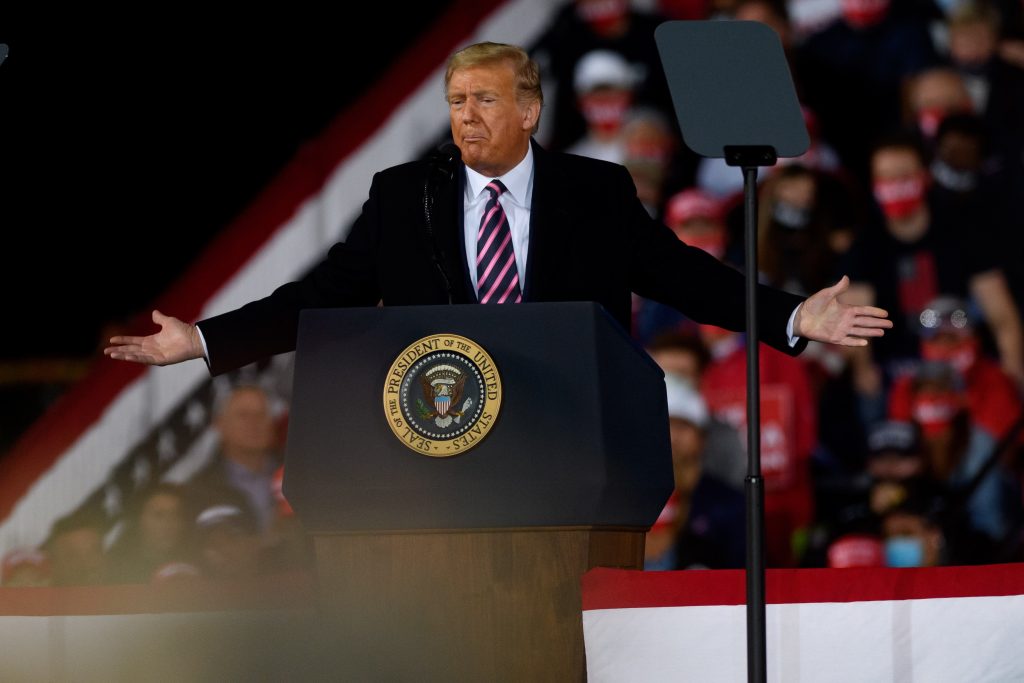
[442,395]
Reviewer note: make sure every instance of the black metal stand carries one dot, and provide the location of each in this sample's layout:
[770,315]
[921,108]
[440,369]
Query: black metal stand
[734,97]
[749,158]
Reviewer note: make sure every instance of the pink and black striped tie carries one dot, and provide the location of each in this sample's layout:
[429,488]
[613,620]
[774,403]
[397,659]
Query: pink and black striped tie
[496,272]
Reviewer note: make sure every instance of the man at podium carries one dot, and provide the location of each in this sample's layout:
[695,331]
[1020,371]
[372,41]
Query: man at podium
[508,222]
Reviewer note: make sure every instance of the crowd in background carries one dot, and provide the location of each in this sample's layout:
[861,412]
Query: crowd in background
[904,453]
[230,520]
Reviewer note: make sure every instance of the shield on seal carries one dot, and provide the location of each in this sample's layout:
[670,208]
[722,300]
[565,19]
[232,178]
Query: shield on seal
[441,404]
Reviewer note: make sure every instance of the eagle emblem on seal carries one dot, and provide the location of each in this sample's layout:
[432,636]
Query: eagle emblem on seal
[442,390]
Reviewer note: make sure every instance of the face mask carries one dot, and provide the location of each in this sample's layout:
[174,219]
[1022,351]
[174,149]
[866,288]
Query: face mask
[864,13]
[952,179]
[602,16]
[935,412]
[789,216]
[960,356]
[605,111]
[900,197]
[904,551]
[929,120]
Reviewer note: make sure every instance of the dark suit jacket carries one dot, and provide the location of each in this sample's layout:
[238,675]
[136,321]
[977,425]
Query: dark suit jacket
[590,240]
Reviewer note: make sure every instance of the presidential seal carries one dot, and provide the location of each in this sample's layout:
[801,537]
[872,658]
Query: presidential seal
[442,395]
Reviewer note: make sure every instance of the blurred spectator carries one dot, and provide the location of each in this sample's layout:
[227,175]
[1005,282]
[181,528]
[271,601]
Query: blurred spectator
[686,10]
[853,72]
[788,432]
[604,93]
[683,355]
[246,459]
[23,567]
[948,336]
[771,13]
[702,526]
[966,405]
[912,536]
[932,95]
[805,223]
[928,246]
[155,534]
[808,17]
[649,146]
[958,165]
[896,466]
[686,357]
[287,542]
[856,550]
[996,86]
[892,470]
[75,549]
[581,27]
[228,542]
[696,218]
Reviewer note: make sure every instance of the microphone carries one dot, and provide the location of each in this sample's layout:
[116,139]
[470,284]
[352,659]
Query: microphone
[445,160]
[442,163]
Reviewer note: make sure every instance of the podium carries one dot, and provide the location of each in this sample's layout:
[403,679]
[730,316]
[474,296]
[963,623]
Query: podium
[459,468]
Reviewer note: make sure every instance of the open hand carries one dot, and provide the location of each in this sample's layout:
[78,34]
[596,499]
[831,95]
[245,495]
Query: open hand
[823,318]
[176,341]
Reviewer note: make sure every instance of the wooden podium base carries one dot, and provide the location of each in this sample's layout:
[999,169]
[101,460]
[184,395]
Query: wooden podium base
[499,605]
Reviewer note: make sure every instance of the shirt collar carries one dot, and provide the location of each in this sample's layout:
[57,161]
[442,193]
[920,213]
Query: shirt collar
[518,182]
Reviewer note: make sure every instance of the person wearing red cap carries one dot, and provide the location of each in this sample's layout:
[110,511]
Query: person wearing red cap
[856,550]
[696,218]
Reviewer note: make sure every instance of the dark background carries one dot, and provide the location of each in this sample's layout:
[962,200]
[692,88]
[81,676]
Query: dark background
[128,141]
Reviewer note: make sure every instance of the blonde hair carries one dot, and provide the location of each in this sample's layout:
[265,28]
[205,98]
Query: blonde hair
[527,73]
[970,13]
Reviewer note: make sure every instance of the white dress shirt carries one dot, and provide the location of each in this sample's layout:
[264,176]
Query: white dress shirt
[515,201]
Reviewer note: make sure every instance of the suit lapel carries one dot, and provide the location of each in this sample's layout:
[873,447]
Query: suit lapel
[448,223]
[549,233]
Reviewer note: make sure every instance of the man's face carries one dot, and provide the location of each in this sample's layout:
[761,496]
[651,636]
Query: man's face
[962,152]
[246,422]
[899,183]
[77,557]
[910,528]
[680,362]
[895,163]
[687,442]
[489,125]
[972,44]
[162,522]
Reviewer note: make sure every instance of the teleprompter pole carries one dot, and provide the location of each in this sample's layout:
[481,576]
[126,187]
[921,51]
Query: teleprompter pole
[757,662]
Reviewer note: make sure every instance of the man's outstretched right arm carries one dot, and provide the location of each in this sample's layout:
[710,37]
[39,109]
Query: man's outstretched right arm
[176,341]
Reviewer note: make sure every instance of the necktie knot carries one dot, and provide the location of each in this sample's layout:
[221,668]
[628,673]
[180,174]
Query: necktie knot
[496,188]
